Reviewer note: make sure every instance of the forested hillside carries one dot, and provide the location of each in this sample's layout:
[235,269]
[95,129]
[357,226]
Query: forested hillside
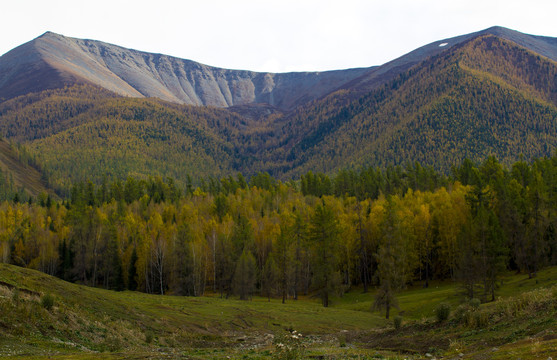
[21,177]
[84,133]
[268,238]
[485,97]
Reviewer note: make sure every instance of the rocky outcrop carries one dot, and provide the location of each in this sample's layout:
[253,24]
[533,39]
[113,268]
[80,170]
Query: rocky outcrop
[53,60]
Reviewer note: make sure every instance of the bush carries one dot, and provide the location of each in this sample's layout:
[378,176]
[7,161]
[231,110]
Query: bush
[47,301]
[111,344]
[475,303]
[149,337]
[442,312]
[462,313]
[15,296]
[397,321]
[342,341]
[481,319]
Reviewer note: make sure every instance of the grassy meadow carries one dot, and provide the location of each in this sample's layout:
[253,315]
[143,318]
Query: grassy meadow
[44,317]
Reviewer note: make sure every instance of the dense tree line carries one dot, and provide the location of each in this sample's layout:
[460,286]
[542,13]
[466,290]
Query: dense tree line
[369,182]
[265,237]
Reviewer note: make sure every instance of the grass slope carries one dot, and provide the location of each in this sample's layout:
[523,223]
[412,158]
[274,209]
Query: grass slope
[87,321]
[23,175]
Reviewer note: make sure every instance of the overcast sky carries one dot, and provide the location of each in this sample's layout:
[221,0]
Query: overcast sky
[277,36]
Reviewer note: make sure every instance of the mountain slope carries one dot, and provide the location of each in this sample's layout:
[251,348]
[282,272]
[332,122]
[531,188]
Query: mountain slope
[493,92]
[82,133]
[378,76]
[52,61]
[486,96]
[16,174]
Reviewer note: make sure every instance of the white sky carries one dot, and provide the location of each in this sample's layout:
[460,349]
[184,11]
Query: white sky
[265,35]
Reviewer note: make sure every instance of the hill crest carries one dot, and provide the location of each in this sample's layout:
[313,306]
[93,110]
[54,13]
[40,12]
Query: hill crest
[53,60]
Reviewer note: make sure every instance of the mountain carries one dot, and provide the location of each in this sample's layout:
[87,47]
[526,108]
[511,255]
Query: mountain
[53,61]
[376,76]
[493,92]
[485,95]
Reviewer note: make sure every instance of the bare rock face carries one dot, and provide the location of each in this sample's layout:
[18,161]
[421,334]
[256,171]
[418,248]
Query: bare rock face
[53,60]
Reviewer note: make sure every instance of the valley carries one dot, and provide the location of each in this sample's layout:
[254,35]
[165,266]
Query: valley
[157,207]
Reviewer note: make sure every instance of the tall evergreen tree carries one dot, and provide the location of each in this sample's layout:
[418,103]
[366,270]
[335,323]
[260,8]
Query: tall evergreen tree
[245,276]
[324,236]
[391,258]
[132,271]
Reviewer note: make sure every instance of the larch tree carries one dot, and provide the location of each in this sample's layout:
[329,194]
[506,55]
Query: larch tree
[269,278]
[324,237]
[244,279]
[537,225]
[392,269]
[283,253]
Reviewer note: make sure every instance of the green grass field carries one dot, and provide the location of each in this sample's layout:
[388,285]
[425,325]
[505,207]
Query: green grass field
[86,322]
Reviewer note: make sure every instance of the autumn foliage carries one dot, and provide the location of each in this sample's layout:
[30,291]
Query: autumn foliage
[240,238]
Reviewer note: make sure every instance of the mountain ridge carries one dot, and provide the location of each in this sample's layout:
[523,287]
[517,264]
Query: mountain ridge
[482,94]
[134,73]
[385,121]
[375,77]
[52,61]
